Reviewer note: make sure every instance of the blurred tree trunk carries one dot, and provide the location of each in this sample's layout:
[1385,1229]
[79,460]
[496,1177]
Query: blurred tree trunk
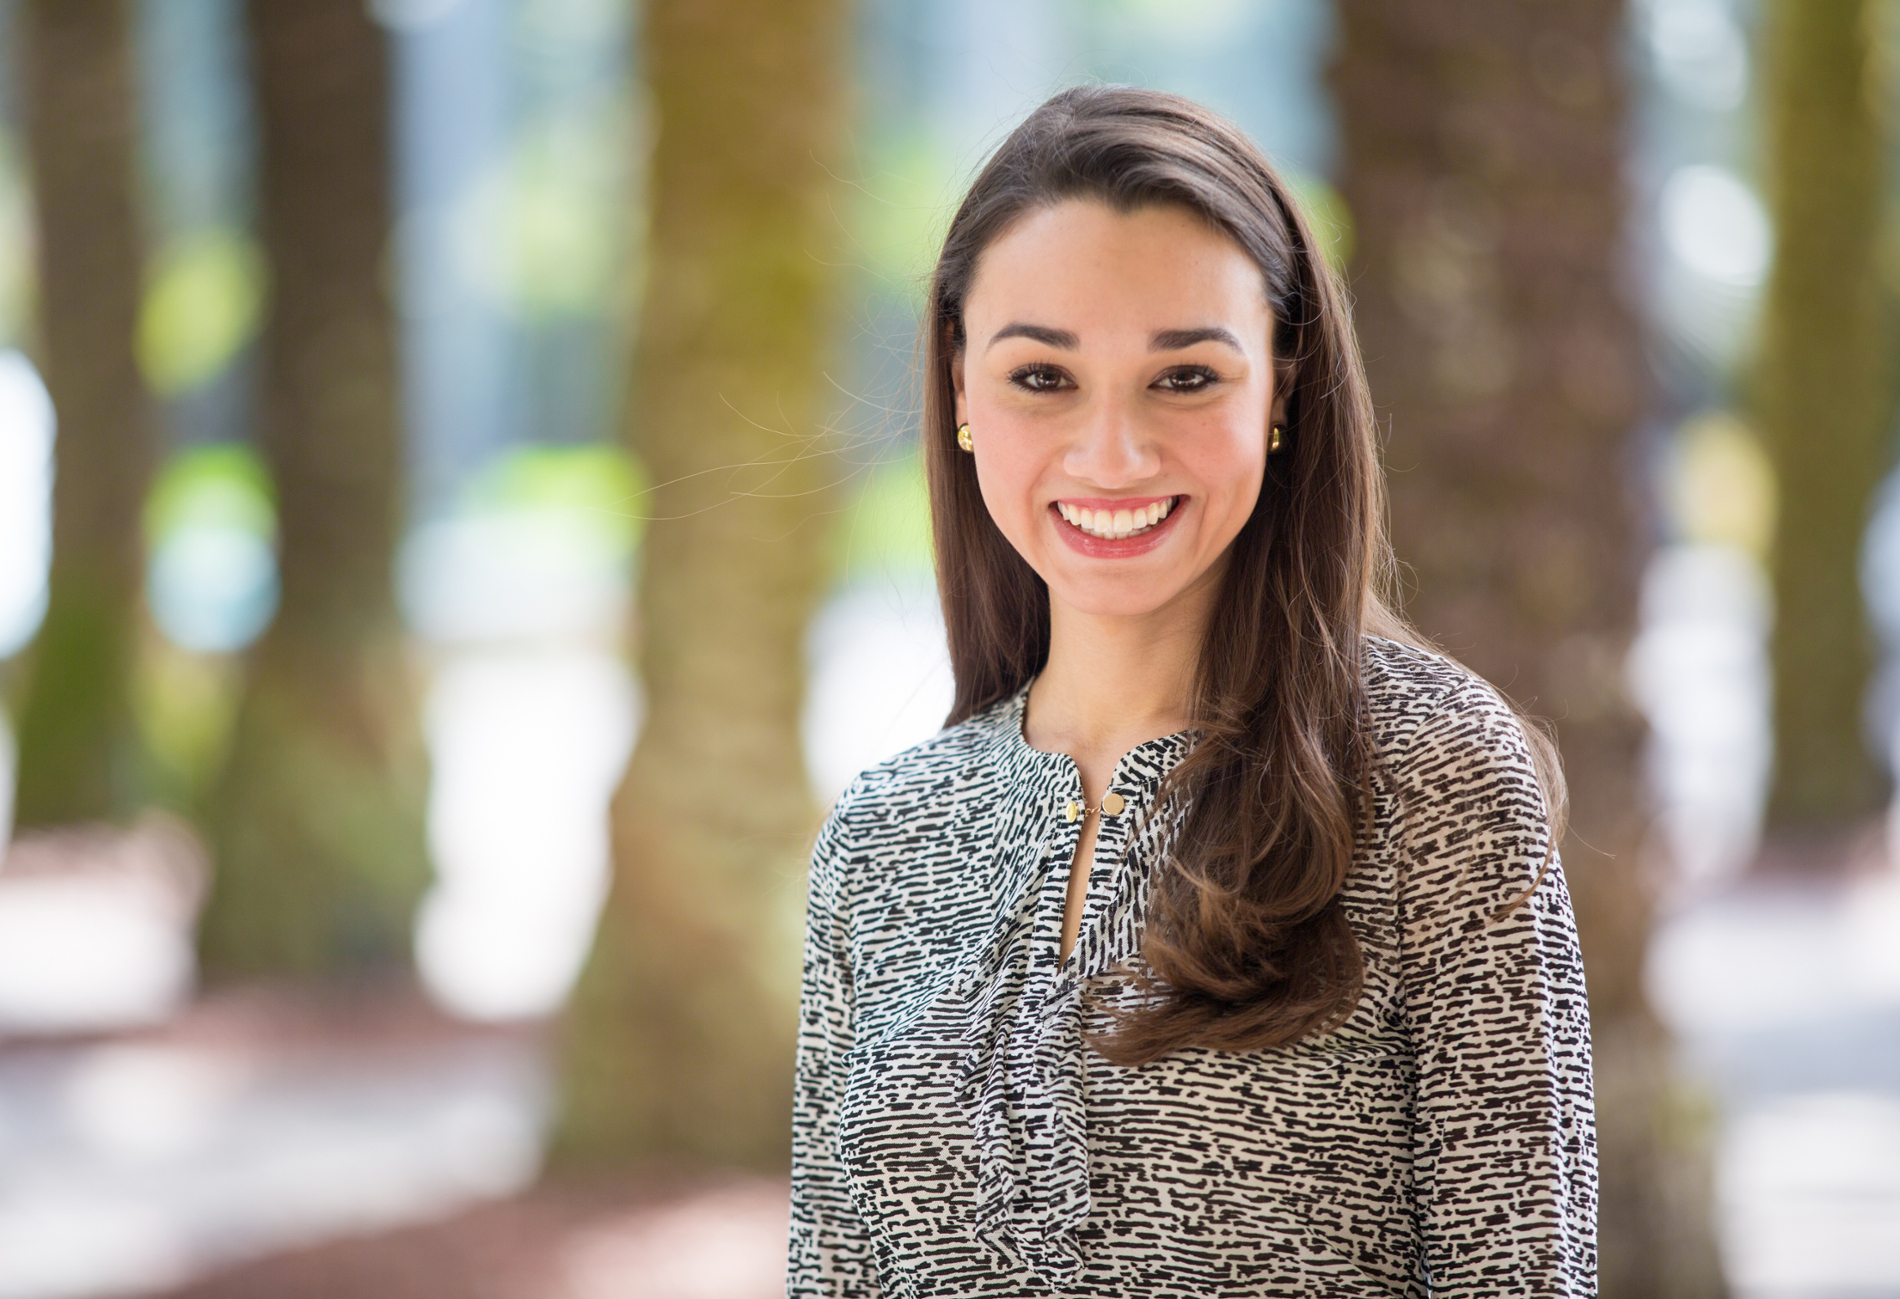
[317,819]
[1825,399]
[680,1036]
[79,754]
[1483,164]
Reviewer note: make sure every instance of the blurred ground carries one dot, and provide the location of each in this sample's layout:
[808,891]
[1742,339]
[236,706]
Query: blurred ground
[1785,993]
[654,1237]
[294,1132]
[255,1121]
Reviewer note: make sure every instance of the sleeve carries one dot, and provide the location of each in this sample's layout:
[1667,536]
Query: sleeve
[1504,1136]
[830,1249]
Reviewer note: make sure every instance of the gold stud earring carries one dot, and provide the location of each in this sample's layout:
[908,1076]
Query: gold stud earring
[963,438]
[1275,437]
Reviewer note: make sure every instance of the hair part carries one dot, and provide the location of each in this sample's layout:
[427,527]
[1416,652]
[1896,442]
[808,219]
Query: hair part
[1247,942]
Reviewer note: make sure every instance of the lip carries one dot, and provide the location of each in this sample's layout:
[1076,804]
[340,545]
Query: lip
[1127,547]
[1112,503]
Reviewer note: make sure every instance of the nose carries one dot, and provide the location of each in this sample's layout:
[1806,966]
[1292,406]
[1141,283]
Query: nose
[1111,449]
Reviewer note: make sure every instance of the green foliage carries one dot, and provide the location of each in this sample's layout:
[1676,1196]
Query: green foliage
[598,483]
[203,302]
[217,486]
[885,529]
[900,211]
[1326,210]
[1720,485]
[543,228]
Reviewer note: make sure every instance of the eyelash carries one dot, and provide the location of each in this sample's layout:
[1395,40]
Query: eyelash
[1203,378]
[1031,378]
[1027,378]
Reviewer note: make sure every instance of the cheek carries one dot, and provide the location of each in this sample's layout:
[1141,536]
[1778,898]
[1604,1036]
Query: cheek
[1008,470]
[1231,466]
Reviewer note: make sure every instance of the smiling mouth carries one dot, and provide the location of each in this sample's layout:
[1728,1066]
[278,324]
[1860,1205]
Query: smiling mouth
[1116,525]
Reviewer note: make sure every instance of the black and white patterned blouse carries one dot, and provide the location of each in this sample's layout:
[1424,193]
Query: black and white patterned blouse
[953,1136]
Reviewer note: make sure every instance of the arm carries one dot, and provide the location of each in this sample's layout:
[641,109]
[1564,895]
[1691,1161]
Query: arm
[1504,1141]
[830,1250]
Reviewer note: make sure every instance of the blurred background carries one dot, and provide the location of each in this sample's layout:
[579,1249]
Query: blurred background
[461,523]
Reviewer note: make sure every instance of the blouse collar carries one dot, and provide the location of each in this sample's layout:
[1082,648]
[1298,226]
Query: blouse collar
[1144,766]
[1023,1053]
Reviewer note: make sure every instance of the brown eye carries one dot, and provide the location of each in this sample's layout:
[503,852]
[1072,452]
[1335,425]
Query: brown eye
[1039,378]
[1190,378]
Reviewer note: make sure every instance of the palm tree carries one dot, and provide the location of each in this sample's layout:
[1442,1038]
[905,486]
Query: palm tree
[79,755]
[680,1037]
[317,820]
[1483,165]
[1825,398]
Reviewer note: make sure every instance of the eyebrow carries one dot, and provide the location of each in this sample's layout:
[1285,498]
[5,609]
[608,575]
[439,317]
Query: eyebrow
[1171,340]
[1164,340]
[1061,338]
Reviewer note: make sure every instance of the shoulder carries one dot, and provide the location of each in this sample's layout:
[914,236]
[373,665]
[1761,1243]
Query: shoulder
[915,801]
[1469,804]
[942,767]
[1425,707]
[1452,754]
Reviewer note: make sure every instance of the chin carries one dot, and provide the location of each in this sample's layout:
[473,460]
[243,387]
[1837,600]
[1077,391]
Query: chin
[1119,598]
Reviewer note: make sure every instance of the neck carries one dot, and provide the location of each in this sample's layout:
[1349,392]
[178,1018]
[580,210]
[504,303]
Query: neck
[1113,681]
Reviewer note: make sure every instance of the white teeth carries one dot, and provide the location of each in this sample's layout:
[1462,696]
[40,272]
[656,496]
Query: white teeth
[1118,524]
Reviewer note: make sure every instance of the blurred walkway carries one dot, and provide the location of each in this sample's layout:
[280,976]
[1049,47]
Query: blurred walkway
[1786,996]
[268,1146]
[251,1124]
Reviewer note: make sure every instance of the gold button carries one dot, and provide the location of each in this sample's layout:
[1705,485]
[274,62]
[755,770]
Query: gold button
[1071,811]
[1113,804]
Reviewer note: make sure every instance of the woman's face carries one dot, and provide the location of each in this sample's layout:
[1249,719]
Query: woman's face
[1117,379]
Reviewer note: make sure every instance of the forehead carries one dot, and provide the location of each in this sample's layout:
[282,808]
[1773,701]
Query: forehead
[1159,266]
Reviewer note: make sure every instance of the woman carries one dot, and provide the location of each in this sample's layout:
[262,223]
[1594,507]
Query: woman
[1218,946]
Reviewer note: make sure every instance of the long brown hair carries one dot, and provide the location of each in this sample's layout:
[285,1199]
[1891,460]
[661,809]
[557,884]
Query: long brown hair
[1247,938]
